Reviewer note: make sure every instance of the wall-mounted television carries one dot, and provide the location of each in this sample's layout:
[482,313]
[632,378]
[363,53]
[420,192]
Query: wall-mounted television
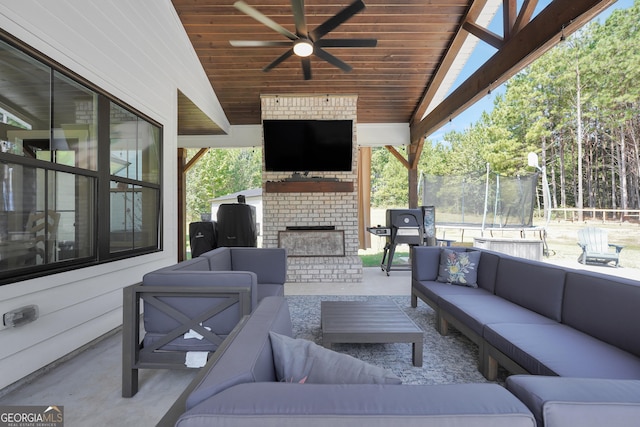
[308,145]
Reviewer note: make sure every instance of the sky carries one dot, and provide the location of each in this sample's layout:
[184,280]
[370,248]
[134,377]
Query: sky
[480,55]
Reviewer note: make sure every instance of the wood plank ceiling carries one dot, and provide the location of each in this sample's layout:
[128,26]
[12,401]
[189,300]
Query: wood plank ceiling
[389,79]
[394,81]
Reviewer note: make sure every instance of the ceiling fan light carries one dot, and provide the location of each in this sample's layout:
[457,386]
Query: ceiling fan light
[303,48]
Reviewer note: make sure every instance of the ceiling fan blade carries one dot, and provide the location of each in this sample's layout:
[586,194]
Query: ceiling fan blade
[346,43]
[278,60]
[298,17]
[323,54]
[306,68]
[335,21]
[258,16]
[257,43]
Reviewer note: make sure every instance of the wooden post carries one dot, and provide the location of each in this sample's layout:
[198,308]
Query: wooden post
[182,204]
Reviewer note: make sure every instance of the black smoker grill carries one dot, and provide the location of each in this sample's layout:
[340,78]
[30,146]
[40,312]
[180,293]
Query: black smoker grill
[237,225]
[406,227]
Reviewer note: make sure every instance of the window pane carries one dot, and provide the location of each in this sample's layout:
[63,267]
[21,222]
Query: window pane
[76,202]
[75,123]
[134,217]
[124,143]
[135,146]
[150,204]
[45,216]
[25,118]
[149,145]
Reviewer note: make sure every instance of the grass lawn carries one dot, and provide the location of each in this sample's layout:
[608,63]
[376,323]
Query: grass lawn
[374,259]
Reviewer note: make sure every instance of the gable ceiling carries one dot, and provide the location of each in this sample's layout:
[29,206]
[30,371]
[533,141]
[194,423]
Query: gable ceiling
[418,41]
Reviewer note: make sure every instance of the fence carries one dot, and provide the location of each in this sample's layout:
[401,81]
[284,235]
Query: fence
[594,214]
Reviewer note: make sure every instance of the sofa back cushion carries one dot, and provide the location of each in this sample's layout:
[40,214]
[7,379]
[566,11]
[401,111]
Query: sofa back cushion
[219,259]
[195,264]
[426,261]
[605,307]
[269,264]
[248,358]
[487,270]
[533,285]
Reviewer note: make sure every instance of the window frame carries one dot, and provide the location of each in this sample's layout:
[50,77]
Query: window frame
[102,177]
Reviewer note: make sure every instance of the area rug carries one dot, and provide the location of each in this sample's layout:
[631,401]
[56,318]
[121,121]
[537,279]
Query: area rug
[447,359]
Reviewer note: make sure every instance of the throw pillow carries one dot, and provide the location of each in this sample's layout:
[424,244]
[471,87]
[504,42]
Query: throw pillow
[459,268]
[298,360]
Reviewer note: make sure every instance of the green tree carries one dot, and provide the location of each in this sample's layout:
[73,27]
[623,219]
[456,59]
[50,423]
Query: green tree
[389,179]
[220,172]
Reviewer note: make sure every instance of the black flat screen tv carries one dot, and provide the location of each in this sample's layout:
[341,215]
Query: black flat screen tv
[308,145]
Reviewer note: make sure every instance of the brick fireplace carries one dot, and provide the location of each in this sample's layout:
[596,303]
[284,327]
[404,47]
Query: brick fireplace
[314,204]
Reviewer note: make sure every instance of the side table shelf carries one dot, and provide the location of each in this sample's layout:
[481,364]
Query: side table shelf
[308,187]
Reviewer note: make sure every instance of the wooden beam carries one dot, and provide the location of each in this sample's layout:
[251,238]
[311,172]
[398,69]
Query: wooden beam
[447,61]
[526,12]
[182,204]
[509,14]
[364,196]
[398,156]
[483,34]
[195,159]
[536,38]
[415,150]
[418,152]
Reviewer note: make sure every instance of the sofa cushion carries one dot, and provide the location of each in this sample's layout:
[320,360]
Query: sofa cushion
[302,361]
[533,285]
[374,405]
[459,268]
[219,259]
[249,357]
[475,311]
[434,291]
[425,262]
[605,307]
[557,349]
[487,269]
[270,265]
[194,264]
[584,402]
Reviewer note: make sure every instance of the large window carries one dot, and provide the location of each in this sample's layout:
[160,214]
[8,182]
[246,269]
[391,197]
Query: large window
[76,168]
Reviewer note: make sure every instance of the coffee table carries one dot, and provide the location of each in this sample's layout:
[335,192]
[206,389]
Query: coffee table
[369,322]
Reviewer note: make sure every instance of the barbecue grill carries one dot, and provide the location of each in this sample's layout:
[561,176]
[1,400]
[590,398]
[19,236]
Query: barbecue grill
[405,227]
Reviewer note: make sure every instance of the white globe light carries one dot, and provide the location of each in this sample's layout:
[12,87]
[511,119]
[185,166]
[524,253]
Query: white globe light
[303,48]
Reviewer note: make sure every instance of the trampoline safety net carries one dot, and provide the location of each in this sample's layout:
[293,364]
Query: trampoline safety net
[487,201]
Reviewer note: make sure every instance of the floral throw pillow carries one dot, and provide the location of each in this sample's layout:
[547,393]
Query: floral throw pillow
[459,268]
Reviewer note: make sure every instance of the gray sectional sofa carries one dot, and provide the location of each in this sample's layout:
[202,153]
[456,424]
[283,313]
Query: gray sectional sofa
[238,387]
[518,313]
[535,318]
[192,306]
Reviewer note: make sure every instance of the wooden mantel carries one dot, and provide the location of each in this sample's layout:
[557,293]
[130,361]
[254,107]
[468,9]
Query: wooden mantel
[309,186]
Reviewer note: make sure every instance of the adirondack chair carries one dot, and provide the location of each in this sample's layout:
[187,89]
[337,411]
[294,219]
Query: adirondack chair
[596,248]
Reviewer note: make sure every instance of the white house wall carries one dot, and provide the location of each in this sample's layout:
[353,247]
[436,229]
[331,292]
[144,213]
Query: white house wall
[138,52]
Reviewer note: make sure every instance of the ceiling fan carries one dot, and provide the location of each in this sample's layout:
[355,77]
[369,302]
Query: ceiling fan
[304,43]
